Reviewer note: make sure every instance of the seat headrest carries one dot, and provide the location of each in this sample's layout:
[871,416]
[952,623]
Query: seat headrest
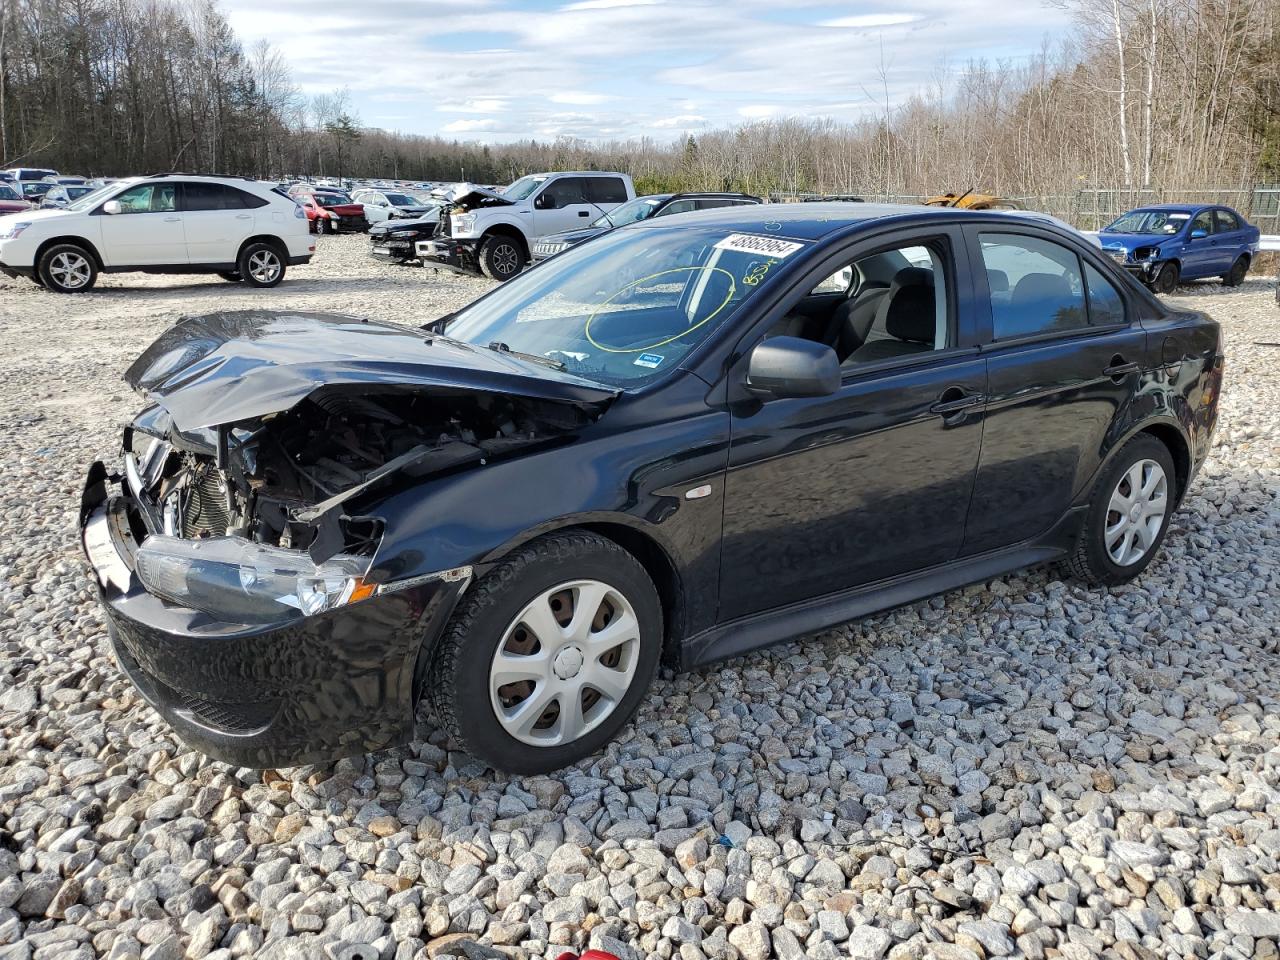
[1041,287]
[912,277]
[911,315]
[998,281]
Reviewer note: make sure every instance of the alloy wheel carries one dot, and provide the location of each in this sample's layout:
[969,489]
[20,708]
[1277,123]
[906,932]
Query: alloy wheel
[565,663]
[1136,512]
[506,258]
[264,266]
[70,270]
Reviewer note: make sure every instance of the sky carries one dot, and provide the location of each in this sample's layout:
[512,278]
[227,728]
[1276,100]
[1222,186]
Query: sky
[502,70]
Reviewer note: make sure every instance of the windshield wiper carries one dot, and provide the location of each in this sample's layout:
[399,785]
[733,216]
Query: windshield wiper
[499,347]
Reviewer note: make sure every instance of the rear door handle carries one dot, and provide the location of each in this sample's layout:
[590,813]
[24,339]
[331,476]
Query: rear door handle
[172,219]
[1120,368]
[244,216]
[954,400]
[584,213]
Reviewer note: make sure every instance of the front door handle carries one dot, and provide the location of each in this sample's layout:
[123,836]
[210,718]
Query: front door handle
[1120,368]
[244,216]
[955,399]
[584,213]
[172,219]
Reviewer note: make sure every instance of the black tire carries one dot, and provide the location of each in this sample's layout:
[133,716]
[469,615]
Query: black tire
[67,268]
[457,682]
[231,276]
[1235,276]
[322,225]
[501,257]
[1091,561]
[1166,279]
[261,265]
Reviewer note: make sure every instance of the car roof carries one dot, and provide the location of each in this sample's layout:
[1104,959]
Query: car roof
[815,221]
[1174,206]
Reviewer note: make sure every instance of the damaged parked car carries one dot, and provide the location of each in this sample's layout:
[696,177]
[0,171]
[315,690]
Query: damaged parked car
[332,212]
[687,439]
[395,241]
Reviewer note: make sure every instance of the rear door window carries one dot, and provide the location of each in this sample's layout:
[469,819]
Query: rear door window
[606,190]
[1106,306]
[1225,221]
[1036,286]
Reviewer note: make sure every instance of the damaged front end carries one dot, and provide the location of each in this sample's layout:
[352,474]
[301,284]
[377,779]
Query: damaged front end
[248,505]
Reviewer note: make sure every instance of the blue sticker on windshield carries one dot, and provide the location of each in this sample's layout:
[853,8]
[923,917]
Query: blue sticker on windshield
[651,360]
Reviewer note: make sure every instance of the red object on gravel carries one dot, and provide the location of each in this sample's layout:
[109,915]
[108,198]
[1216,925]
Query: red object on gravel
[589,955]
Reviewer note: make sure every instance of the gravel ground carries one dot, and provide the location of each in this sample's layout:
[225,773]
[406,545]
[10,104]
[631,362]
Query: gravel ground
[1024,768]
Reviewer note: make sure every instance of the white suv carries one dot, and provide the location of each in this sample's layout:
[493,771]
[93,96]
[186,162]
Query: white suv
[492,232]
[237,228]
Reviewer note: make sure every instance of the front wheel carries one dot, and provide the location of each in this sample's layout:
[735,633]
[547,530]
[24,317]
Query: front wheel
[1128,514]
[501,258]
[1235,276]
[548,655]
[67,268]
[261,265]
[1166,280]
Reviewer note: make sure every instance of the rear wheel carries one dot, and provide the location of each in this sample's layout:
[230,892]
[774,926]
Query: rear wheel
[67,268]
[501,257]
[1128,514]
[1235,276]
[1166,280]
[261,265]
[548,655]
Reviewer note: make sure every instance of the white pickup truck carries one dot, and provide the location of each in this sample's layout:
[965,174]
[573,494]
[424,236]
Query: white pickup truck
[492,232]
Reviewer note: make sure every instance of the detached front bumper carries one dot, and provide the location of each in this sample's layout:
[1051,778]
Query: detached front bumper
[305,690]
[448,253]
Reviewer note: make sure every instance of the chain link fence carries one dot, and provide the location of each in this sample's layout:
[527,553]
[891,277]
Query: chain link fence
[1094,207]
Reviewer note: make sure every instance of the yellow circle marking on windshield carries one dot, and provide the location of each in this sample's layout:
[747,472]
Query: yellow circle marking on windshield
[661,343]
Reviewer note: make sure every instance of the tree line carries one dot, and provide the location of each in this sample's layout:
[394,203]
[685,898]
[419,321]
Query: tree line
[1160,94]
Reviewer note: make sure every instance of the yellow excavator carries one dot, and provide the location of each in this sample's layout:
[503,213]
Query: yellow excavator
[969,200]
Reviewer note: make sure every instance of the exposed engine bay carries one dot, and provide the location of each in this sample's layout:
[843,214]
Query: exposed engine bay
[296,479]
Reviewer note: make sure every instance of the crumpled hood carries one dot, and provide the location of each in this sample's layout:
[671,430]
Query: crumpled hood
[1131,241]
[469,195]
[224,368]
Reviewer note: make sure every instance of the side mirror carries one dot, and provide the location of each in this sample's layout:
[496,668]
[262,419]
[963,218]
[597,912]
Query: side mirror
[790,367]
[112,207]
[1199,234]
[545,201]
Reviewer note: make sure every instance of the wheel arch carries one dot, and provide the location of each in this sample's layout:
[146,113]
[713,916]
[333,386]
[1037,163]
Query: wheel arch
[1170,433]
[276,242]
[648,551]
[78,241]
[510,230]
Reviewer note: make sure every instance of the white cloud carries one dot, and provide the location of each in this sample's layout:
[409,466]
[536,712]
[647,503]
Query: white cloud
[608,4]
[758,111]
[684,121]
[470,126]
[868,20]
[580,97]
[475,105]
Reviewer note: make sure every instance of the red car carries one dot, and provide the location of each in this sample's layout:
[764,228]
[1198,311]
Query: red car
[11,200]
[333,213]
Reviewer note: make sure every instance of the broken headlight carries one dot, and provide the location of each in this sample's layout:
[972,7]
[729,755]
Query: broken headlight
[239,581]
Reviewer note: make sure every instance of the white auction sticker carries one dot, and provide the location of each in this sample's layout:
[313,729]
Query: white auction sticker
[761,246]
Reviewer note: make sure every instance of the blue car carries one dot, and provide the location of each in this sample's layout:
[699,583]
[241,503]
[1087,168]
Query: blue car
[1167,243]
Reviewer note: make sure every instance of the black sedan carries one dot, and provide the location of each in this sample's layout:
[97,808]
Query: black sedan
[641,208]
[680,442]
[392,241]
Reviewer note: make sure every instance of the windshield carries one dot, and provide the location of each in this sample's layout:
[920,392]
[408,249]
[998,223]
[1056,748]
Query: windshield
[331,199]
[630,212]
[629,306]
[523,187]
[1167,222]
[95,196]
[8,193]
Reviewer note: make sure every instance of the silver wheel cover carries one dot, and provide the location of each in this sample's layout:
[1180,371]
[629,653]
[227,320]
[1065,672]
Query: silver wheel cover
[565,663]
[70,270]
[1136,512]
[264,266]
